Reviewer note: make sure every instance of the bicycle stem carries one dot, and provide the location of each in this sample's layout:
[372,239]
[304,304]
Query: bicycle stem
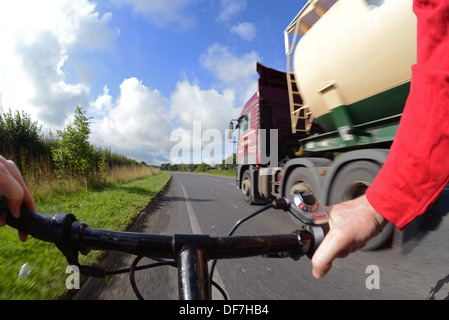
[193,274]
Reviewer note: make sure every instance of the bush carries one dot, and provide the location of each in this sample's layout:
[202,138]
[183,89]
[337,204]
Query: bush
[74,155]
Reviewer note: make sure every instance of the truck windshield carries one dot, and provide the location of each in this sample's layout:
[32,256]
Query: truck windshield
[244,124]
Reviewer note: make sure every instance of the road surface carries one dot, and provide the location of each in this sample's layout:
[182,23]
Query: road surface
[414,266]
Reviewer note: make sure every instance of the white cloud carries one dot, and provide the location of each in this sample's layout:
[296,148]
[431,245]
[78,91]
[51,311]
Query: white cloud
[143,124]
[37,40]
[135,124]
[213,109]
[235,73]
[230,9]
[245,30]
[202,116]
[163,13]
[104,103]
[42,63]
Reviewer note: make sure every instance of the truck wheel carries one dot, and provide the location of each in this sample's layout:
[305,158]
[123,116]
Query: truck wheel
[246,188]
[300,179]
[350,183]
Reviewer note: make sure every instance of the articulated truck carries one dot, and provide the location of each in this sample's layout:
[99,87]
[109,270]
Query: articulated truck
[330,119]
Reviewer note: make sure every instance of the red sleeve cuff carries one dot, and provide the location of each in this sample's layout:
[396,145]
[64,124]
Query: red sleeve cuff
[387,207]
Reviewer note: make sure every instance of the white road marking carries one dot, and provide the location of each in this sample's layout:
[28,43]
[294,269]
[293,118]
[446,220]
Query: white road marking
[193,221]
[216,295]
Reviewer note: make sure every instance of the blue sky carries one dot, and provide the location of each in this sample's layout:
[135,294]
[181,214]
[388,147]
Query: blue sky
[141,69]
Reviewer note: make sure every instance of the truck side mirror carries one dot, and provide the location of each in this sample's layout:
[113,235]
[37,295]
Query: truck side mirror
[231,130]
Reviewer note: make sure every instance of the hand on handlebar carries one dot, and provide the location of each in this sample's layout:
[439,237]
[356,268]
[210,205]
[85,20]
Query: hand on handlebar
[14,189]
[351,225]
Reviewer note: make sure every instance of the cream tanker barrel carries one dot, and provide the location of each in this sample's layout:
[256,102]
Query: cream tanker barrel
[358,55]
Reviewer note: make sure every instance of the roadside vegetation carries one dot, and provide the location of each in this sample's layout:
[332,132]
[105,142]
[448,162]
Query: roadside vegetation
[64,172]
[64,160]
[226,168]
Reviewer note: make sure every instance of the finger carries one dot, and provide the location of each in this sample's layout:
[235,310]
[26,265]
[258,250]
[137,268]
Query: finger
[22,236]
[11,190]
[329,249]
[14,189]
[26,199]
[320,272]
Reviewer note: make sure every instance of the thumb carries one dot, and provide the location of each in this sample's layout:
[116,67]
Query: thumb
[328,250]
[14,207]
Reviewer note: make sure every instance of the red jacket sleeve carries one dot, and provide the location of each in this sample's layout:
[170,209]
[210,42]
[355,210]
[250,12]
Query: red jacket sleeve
[417,168]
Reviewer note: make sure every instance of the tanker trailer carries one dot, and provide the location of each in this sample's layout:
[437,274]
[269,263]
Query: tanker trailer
[348,78]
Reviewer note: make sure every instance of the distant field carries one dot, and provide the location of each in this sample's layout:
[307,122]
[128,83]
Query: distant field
[227,173]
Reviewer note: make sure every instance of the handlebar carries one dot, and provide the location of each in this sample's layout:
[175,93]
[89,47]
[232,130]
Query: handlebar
[73,237]
[66,232]
[40,225]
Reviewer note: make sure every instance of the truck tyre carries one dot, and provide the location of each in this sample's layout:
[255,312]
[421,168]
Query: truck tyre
[299,179]
[350,183]
[247,188]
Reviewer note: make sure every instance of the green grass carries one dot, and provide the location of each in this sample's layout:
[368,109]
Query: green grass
[114,207]
[226,173]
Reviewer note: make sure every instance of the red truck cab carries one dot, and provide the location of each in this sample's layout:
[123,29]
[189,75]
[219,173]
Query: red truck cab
[265,134]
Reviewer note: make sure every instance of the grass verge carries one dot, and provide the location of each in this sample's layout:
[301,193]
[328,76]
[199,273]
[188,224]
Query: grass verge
[112,207]
[225,173]
[216,172]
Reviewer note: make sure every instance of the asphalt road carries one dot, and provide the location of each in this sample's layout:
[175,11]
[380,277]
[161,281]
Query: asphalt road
[414,266]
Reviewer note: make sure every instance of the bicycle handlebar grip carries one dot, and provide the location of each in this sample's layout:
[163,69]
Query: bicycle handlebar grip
[37,224]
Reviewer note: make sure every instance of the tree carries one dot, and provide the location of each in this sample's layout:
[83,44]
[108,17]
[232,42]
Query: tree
[20,138]
[19,131]
[203,167]
[74,155]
